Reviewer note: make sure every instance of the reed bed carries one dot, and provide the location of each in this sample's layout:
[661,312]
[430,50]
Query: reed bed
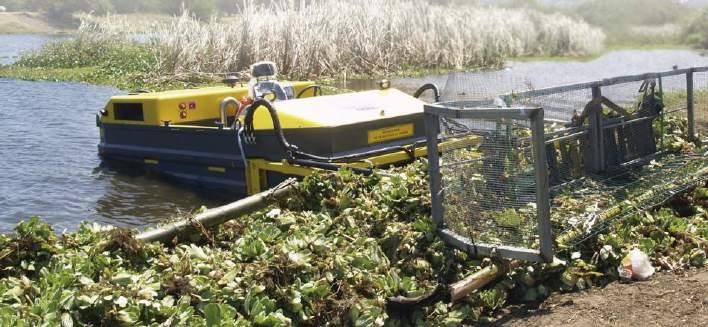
[340,37]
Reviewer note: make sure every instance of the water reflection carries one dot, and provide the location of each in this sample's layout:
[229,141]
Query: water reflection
[49,164]
[133,197]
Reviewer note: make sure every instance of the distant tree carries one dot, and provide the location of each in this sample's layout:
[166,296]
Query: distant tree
[609,13]
[62,12]
[129,6]
[696,32]
[226,6]
[202,9]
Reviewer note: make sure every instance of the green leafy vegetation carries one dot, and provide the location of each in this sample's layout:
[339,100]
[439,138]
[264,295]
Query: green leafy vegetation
[126,65]
[63,12]
[696,32]
[333,253]
[627,23]
[619,14]
[636,22]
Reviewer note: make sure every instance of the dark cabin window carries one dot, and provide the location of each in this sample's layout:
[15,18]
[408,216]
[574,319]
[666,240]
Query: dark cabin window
[128,111]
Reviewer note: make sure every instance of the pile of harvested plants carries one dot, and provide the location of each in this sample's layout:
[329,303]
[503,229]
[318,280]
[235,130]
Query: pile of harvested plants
[334,253]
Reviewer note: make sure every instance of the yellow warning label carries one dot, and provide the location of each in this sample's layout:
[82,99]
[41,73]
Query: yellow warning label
[390,133]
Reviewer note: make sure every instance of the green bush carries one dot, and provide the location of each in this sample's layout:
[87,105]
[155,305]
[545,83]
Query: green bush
[618,17]
[696,32]
[87,52]
[125,64]
[62,12]
[608,13]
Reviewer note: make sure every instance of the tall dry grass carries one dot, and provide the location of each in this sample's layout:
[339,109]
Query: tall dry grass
[334,37]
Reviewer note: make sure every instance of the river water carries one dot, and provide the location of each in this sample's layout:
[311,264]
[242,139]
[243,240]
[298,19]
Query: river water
[49,165]
[522,76]
[14,45]
[48,157]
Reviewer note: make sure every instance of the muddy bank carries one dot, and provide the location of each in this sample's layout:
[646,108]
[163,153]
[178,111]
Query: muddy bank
[26,23]
[668,299]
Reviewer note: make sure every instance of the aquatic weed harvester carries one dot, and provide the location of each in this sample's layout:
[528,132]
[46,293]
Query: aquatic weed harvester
[521,175]
[245,138]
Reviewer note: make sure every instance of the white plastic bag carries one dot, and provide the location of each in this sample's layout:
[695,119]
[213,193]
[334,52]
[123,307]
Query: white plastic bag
[636,265]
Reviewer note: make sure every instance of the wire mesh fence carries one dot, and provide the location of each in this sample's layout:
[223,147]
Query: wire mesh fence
[674,93]
[610,148]
[589,206]
[487,193]
[505,159]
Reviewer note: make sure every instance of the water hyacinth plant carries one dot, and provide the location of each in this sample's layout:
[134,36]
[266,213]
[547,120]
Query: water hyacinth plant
[334,253]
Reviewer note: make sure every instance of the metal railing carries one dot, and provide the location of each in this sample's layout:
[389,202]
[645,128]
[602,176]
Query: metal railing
[494,198]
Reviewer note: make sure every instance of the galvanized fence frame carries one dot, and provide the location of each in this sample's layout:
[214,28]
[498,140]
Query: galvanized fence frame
[597,86]
[593,131]
[433,113]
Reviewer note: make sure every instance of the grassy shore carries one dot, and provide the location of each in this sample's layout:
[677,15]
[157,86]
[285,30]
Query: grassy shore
[27,23]
[328,39]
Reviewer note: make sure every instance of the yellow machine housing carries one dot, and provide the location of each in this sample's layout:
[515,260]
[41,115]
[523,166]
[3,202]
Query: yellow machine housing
[342,110]
[176,133]
[178,106]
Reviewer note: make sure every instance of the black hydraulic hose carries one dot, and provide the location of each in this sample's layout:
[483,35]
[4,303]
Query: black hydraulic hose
[316,90]
[426,87]
[292,150]
[362,155]
[277,129]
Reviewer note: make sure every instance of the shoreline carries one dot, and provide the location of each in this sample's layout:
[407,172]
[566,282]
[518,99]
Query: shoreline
[24,22]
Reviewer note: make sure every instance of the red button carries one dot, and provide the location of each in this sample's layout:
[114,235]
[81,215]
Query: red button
[192,105]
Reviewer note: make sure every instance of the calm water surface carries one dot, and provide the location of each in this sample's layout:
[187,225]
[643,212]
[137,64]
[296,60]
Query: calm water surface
[540,74]
[48,157]
[12,46]
[49,165]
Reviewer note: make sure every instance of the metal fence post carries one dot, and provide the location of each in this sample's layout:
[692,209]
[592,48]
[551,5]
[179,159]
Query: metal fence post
[432,129]
[597,142]
[690,107]
[543,207]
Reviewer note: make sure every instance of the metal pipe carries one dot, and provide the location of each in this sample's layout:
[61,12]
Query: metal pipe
[628,122]
[316,91]
[597,142]
[605,82]
[690,114]
[330,166]
[432,132]
[566,137]
[543,202]
[220,215]
[223,118]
